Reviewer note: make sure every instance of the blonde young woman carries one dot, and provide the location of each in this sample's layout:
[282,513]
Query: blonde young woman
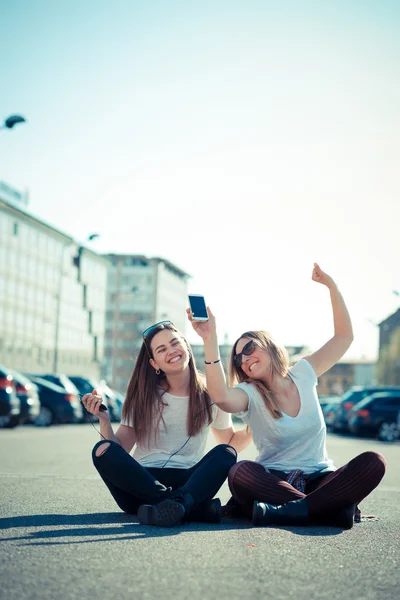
[292,480]
[167,416]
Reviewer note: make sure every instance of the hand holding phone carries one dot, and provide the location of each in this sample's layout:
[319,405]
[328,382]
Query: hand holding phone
[198,307]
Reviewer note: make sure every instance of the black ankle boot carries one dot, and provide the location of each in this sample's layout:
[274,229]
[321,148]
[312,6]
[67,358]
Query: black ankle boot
[206,512]
[291,513]
[342,518]
[168,512]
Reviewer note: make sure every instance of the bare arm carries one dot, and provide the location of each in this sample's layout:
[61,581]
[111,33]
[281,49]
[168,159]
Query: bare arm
[237,439]
[232,400]
[331,352]
[125,435]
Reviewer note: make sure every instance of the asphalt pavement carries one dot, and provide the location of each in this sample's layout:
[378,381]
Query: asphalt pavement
[63,537]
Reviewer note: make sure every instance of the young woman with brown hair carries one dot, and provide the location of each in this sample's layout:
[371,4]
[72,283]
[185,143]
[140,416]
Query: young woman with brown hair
[167,414]
[292,480]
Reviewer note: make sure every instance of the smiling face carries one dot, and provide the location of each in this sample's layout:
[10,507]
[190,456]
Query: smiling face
[170,352]
[256,365]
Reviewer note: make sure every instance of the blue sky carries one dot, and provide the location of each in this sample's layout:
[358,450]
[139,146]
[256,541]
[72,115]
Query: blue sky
[241,140]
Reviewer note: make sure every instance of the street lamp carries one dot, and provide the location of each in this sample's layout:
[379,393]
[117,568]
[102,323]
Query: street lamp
[11,121]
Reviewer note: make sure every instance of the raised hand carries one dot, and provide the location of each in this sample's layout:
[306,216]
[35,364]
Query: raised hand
[320,276]
[205,329]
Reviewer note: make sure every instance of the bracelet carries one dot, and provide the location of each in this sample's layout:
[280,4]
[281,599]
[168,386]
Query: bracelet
[213,362]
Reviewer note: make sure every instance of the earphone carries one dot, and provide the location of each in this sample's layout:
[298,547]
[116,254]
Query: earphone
[183,445]
[195,416]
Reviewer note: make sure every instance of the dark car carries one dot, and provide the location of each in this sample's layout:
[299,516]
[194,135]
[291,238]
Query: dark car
[59,379]
[9,402]
[115,400]
[328,404]
[376,415]
[57,405]
[84,386]
[112,399]
[354,395]
[27,392]
[326,401]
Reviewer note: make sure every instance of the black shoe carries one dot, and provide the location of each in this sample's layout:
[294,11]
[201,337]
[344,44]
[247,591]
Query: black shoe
[291,513]
[207,512]
[167,513]
[342,518]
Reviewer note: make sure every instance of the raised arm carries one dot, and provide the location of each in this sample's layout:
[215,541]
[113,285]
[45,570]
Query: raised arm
[229,399]
[329,354]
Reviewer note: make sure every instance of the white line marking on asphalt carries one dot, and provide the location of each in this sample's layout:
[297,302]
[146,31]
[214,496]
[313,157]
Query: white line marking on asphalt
[46,476]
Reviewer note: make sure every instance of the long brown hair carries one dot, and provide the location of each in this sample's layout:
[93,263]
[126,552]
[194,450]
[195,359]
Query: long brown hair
[144,404]
[279,367]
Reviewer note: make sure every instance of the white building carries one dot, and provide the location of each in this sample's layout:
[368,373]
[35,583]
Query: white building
[140,292]
[52,295]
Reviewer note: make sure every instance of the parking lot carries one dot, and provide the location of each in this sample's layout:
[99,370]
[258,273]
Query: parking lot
[63,536]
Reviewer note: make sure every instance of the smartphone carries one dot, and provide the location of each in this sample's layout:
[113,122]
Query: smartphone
[198,307]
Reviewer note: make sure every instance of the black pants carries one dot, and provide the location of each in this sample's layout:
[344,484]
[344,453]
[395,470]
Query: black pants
[131,484]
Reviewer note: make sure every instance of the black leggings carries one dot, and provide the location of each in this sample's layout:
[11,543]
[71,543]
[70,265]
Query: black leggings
[131,484]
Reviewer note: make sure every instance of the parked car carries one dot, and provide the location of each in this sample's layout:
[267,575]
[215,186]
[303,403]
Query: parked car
[328,404]
[329,415]
[84,386]
[328,400]
[376,415]
[354,395]
[112,399]
[115,400]
[27,392]
[59,379]
[57,405]
[10,404]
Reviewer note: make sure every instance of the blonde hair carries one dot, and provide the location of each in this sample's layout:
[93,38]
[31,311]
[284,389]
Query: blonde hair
[279,367]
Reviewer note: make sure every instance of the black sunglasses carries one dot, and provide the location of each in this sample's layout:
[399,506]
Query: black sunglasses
[150,329]
[247,350]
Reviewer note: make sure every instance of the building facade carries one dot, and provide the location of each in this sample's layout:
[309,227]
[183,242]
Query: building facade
[141,291]
[199,355]
[342,375]
[345,374]
[52,295]
[389,350]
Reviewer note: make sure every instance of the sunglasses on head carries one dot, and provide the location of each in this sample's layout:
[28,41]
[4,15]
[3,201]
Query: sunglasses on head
[247,350]
[150,329]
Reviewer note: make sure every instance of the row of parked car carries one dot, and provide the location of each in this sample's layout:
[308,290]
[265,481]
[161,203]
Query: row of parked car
[365,411]
[47,398]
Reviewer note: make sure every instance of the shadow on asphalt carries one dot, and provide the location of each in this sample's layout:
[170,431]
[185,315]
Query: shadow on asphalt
[126,524]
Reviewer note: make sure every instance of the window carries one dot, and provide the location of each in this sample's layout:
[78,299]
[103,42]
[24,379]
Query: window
[95,348]
[392,402]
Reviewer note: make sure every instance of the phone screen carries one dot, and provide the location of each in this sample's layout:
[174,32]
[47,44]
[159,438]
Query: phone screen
[198,307]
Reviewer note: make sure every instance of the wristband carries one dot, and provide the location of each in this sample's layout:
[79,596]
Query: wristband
[213,362]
